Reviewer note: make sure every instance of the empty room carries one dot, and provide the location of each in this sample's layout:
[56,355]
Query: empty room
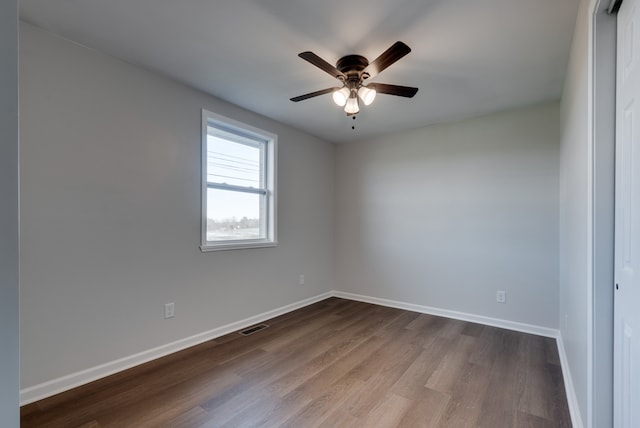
[340,214]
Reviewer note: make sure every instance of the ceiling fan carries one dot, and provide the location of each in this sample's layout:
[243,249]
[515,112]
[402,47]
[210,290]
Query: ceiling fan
[352,71]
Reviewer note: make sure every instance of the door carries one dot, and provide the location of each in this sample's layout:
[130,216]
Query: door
[627,219]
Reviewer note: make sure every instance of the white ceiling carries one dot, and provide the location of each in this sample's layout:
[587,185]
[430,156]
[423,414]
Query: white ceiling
[469,57]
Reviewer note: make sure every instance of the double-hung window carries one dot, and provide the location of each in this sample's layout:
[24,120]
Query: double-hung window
[238,185]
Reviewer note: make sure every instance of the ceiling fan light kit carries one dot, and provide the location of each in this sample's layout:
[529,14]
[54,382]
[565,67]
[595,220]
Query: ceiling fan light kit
[348,98]
[366,95]
[352,71]
[352,106]
[340,96]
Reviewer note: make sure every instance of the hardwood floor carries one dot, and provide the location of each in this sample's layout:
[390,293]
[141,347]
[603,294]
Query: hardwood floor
[336,363]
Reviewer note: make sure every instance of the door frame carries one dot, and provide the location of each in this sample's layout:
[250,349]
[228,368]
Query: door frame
[601,173]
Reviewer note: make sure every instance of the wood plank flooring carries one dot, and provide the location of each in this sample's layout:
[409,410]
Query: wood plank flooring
[336,363]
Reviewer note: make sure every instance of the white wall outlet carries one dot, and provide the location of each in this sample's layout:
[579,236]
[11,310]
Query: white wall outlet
[501,296]
[301,280]
[169,310]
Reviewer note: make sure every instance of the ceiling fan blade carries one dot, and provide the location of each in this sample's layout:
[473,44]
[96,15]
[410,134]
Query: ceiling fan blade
[313,94]
[388,57]
[401,91]
[321,64]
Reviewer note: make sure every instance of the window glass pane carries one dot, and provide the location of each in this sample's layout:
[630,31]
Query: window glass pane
[233,163]
[233,215]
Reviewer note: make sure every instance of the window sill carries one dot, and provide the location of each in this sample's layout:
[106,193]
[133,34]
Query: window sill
[242,245]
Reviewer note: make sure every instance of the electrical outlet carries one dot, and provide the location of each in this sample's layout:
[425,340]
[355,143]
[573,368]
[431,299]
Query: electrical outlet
[501,296]
[301,280]
[169,310]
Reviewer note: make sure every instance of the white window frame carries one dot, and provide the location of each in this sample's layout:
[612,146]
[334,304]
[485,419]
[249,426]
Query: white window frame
[268,191]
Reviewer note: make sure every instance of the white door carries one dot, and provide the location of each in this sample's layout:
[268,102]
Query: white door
[627,229]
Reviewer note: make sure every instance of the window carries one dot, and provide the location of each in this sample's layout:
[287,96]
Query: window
[238,185]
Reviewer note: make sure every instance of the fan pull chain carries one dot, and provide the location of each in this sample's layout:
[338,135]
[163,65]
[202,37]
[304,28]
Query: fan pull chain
[353,126]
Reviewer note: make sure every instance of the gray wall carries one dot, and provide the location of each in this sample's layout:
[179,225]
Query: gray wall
[575,311]
[445,215]
[9,338]
[111,214]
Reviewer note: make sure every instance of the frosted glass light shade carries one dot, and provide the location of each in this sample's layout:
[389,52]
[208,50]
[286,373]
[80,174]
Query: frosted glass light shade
[367,95]
[340,96]
[352,106]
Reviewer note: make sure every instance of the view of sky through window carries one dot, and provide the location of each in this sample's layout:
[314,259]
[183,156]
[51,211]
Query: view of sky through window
[233,214]
[232,163]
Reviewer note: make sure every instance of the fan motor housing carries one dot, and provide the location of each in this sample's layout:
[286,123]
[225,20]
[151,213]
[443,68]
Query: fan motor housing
[353,65]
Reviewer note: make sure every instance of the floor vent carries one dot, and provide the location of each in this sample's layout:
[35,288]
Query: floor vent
[253,329]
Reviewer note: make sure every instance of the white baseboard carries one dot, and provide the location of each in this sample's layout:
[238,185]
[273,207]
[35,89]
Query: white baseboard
[494,322]
[572,400]
[65,383]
